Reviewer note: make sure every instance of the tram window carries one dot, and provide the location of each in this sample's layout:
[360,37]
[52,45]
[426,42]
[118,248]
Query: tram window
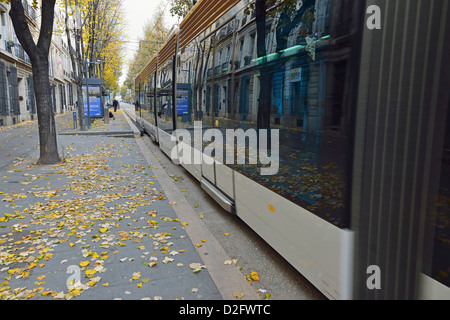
[164,105]
[146,101]
[308,103]
[306,97]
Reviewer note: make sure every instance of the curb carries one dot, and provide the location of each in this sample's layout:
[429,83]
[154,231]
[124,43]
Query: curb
[98,133]
[227,278]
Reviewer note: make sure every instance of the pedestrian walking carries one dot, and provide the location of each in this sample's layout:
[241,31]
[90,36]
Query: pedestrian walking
[115,105]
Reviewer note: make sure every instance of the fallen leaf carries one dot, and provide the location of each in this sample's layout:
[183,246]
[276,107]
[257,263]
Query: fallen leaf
[136,275]
[84,264]
[254,276]
[167,260]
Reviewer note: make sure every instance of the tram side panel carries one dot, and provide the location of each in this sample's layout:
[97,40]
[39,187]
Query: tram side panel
[301,210]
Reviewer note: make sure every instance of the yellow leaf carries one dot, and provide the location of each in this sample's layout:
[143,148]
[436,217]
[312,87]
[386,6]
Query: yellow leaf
[48,256]
[103,230]
[105,284]
[74,292]
[90,273]
[139,285]
[32,265]
[41,277]
[254,275]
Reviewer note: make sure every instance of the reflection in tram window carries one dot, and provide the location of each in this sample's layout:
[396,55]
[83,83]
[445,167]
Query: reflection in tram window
[299,86]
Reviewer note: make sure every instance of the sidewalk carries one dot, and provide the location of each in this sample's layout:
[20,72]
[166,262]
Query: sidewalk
[112,218]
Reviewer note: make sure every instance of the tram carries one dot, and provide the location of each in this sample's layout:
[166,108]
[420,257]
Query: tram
[360,108]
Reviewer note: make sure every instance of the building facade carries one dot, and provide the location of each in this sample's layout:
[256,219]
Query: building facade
[17,98]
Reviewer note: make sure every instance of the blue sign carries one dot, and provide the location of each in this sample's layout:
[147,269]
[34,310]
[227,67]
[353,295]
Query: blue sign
[95,102]
[94,107]
[182,103]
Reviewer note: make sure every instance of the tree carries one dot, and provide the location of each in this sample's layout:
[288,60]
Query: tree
[155,34]
[181,8]
[39,54]
[103,34]
[98,27]
[265,71]
[77,62]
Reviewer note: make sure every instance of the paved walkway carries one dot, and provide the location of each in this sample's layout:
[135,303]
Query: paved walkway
[107,223]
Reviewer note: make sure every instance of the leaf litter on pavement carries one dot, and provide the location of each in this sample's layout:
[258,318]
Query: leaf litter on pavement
[87,207]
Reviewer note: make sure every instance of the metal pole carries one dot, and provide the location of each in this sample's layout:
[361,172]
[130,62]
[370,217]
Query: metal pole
[87,95]
[174,83]
[102,99]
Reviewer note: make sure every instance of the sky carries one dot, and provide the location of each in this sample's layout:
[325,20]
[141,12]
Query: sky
[138,12]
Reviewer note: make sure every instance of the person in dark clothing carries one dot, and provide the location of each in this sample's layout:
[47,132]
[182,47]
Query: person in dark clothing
[115,105]
[162,110]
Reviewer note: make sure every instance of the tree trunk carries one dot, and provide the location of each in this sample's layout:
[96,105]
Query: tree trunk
[265,70]
[81,110]
[46,119]
[38,54]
